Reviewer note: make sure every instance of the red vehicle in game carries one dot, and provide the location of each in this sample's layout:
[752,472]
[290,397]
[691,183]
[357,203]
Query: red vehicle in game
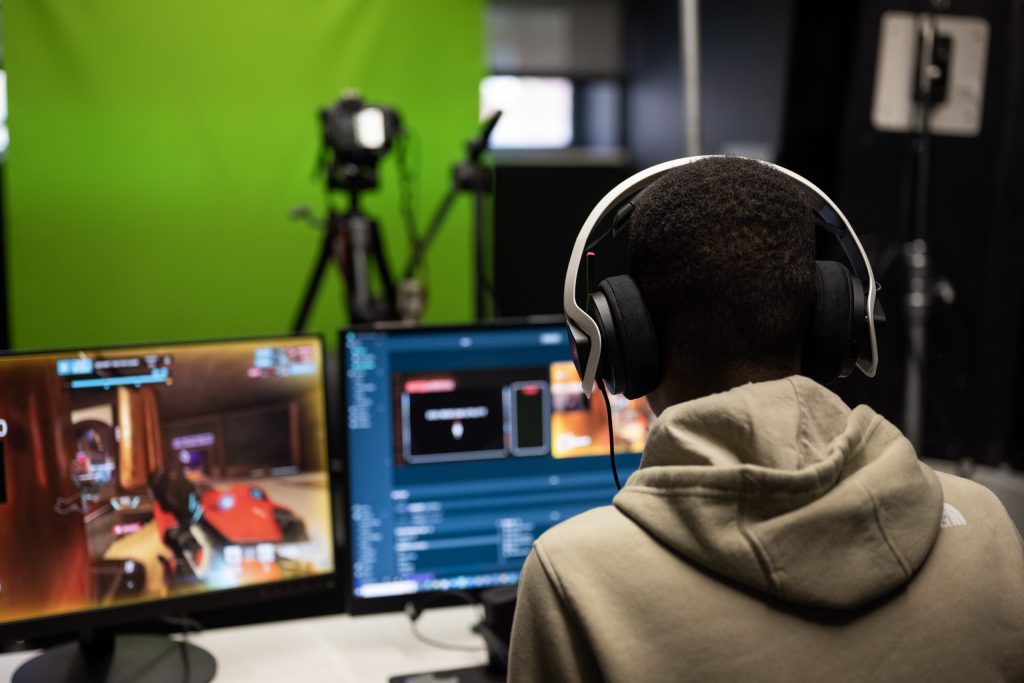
[238,525]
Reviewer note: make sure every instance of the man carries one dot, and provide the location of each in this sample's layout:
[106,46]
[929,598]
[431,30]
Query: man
[771,532]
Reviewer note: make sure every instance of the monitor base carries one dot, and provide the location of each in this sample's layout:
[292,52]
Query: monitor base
[120,659]
[474,674]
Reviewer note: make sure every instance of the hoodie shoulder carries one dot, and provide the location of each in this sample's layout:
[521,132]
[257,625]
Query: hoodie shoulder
[601,540]
[978,560]
[590,530]
[966,502]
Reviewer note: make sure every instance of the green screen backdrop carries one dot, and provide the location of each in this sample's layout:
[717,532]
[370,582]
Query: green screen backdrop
[157,148]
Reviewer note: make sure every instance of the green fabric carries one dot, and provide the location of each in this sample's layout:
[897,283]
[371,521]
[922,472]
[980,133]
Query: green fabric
[157,148]
[773,534]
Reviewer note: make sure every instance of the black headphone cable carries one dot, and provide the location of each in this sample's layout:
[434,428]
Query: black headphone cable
[611,435]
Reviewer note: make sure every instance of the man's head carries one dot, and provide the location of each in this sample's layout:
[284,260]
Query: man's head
[722,250]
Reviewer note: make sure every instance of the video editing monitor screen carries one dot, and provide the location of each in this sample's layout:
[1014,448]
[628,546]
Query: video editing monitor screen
[131,478]
[464,445]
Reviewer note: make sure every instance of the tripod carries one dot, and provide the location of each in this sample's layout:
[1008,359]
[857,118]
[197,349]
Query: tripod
[353,240]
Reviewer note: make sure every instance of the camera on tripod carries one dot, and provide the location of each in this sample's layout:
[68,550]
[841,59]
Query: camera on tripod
[356,136]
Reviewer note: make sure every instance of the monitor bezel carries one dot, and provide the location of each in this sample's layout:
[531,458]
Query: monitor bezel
[146,615]
[394,603]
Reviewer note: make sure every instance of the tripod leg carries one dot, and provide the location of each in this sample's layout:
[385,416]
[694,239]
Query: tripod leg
[357,273]
[389,308]
[307,300]
[365,251]
[420,248]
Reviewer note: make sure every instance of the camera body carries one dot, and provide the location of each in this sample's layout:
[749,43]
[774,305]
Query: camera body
[356,136]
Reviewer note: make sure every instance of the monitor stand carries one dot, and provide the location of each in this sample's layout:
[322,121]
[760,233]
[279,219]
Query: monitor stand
[105,658]
[496,630]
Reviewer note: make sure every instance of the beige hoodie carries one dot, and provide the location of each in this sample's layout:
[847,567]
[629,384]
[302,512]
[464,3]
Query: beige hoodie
[773,534]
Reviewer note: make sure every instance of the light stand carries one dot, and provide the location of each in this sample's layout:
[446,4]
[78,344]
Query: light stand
[930,80]
[469,175]
[929,90]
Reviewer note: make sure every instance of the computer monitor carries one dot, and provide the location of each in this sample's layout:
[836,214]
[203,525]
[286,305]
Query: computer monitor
[157,480]
[464,444]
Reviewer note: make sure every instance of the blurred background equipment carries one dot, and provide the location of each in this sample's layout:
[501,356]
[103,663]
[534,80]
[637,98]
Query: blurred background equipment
[179,160]
[355,137]
[924,148]
[929,80]
[469,175]
[836,93]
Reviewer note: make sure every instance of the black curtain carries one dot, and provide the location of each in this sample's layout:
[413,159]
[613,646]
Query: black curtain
[973,403]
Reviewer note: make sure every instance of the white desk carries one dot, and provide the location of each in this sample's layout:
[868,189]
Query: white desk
[338,649]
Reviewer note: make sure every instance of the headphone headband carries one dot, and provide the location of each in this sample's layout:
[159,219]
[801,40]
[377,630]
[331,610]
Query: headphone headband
[581,323]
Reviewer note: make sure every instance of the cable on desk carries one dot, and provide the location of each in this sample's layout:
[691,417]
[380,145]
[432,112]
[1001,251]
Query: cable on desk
[415,608]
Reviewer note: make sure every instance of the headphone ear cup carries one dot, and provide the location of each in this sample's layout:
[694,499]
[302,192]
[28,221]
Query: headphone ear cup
[826,351]
[629,347]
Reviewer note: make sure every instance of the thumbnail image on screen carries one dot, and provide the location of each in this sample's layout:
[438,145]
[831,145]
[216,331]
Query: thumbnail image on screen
[580,425]
[136,474]
[471,414]
[465,444]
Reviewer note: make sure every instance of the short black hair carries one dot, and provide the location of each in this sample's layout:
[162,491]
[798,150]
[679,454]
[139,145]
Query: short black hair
[723,251]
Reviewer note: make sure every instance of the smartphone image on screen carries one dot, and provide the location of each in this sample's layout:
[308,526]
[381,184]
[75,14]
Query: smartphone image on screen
[530,418]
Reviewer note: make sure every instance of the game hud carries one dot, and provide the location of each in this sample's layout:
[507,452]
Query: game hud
[136,474]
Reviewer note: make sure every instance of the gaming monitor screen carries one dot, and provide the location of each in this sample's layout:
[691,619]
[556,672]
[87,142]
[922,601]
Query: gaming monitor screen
[464,445]
[133,475]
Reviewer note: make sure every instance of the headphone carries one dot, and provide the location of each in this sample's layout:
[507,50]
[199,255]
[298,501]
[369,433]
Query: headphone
[612,338]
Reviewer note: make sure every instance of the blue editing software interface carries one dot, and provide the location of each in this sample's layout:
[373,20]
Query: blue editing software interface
[464,445]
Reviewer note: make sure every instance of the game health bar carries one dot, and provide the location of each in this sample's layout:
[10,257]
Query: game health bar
[157,376]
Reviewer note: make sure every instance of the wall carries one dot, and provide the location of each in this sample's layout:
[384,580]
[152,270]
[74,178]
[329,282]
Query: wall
[744,48]
[157,149]
[574,38]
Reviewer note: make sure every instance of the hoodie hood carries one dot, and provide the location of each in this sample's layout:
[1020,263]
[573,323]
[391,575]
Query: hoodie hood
[783,488]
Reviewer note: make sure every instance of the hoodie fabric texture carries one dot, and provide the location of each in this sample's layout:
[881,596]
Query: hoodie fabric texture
[774,534]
